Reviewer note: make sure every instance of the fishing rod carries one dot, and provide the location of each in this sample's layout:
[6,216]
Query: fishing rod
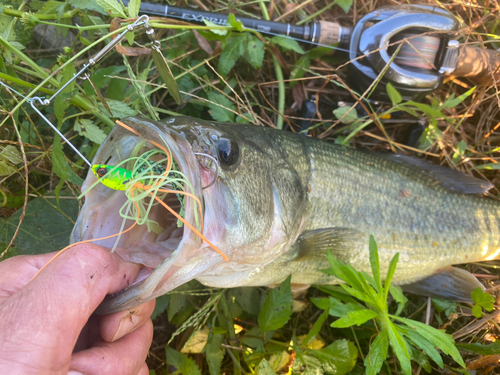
[410,46]
[318,32]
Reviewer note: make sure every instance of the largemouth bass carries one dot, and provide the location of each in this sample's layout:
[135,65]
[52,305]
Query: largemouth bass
[280,201]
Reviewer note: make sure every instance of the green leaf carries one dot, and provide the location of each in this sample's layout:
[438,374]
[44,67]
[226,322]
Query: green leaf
[264,368]
[245,118]
[215,353]
[181,363]
[453,102]
[50,7]
[306,364]
[340,309]
[247,298]
[11,154]
[161,305]
[60,165]
[426,109]
[422,343]
[87,129]
[100,80]
[288,44]
[390,274]
[234,49]
[437,337]
[489,166]
[177,303]
[478,348]
[255,52]
[85,41]
[448,307]
[45,227]
[322,303]
[253,337]
[374,262]
[422,360]
[6,168]
[337,358]
[354,317]
[461,148]
[349,118]
[87,5]
[481,299]
[220,32]
[377,354]
[277,307]
[394,95]
[399,347]
[299,70]
[218,109]
[316,327]
[118,108]
[345,5]
[166,75]
[232,21]
[397,294]
[112,7]
[133,8]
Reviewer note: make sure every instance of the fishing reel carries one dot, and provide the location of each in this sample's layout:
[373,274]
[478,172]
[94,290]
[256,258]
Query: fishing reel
[409,46]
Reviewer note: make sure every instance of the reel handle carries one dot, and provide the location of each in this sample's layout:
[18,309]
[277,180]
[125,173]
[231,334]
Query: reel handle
[477,64]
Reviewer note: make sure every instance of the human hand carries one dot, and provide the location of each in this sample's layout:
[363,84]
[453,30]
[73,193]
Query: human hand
[45,326]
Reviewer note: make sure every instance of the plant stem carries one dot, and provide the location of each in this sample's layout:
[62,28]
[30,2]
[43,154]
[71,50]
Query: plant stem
[18,13]
[279,78]
[77,27]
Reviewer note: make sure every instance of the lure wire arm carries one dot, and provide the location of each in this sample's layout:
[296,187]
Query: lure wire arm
[216,168]
[142,20]
[32,103]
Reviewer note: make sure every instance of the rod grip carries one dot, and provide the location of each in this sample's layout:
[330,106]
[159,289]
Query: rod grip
[329,34]
[478,64]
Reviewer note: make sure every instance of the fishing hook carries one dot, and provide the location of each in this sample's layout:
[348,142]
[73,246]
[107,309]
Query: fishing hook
[216,166]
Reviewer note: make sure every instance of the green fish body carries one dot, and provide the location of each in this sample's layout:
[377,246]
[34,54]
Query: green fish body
[281,201]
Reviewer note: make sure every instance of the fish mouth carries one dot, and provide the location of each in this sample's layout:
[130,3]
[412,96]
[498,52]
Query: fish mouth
[169,255]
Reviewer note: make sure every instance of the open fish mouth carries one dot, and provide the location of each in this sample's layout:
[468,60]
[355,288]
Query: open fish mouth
[169,254]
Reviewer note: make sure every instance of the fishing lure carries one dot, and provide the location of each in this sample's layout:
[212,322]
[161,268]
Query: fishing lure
[115,178]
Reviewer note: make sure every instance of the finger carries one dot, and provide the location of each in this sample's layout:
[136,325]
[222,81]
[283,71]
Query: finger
[17,271]
[144,370]
[57,303]
[115,326]
[124,357]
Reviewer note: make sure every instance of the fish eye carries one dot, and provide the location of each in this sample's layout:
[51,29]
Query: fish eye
[228,152]
[101,172]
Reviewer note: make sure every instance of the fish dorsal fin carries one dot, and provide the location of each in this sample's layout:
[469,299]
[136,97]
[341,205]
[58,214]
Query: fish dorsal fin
[340,241]
[448,178]
[451,283]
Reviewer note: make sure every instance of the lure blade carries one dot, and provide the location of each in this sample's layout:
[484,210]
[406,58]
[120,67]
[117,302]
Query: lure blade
[166,74]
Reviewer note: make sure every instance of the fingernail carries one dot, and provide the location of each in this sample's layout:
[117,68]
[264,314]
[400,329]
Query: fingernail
[71,372]
[126,326]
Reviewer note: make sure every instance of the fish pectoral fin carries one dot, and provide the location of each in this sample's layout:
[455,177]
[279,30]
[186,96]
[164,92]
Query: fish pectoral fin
[451,283]
[339,241]
[448,178]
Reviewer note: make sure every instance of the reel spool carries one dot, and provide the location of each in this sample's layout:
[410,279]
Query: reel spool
[412,43]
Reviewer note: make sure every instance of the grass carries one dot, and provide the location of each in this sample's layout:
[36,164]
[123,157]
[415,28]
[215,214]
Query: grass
[244,78]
